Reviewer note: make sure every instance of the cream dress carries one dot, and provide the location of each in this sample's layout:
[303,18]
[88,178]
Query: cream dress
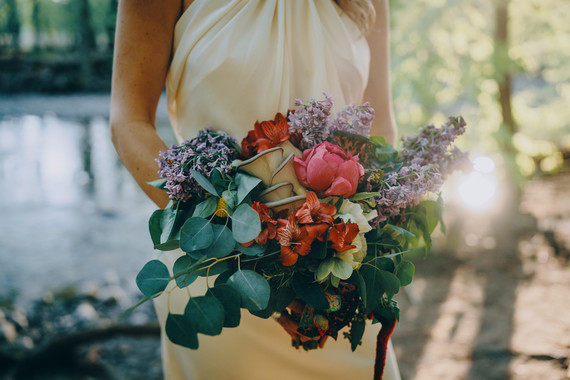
[235,62]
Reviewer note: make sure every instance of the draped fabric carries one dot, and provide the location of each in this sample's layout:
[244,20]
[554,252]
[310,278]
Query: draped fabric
[235,62]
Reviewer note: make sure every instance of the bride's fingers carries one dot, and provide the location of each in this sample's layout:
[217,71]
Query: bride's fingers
[322,341]
[297,306]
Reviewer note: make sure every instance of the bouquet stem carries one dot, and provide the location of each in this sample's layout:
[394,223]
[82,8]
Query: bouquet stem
[382,347]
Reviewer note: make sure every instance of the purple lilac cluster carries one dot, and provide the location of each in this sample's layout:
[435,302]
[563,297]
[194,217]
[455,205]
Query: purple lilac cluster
[354,119]
[205,153]
[433,146]
[427,159]
[312,121]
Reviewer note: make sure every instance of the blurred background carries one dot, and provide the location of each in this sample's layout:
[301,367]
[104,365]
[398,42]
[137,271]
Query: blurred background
[491,302]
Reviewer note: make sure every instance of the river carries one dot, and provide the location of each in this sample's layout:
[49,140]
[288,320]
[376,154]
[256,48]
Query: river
[70,213]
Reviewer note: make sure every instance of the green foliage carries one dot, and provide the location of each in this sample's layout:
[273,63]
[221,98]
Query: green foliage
[309,291]
[206,313]
[253,289]
[245,224]
[196,234]
[181,330]
[230,300]
[153,278]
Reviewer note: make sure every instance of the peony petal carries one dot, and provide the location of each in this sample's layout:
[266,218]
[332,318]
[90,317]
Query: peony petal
[319,174]
[340,186]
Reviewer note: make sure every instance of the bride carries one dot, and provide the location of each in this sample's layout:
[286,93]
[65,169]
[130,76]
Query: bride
[226,64]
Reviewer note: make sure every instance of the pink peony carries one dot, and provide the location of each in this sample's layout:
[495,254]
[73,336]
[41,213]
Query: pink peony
[326,167]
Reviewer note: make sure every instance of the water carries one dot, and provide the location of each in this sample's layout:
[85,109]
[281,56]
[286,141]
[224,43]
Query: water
[70,213]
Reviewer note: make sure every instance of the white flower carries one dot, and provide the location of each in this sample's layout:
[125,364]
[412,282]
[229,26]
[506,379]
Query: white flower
[341,265]
[352,213]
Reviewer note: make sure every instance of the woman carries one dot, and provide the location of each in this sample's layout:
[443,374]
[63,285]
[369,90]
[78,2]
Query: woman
[226,64]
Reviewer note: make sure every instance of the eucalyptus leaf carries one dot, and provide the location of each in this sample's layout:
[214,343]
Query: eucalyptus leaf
[180,330]
[223,242]
[245,224]
[217,268]
[230,300]
[206,208]
[309,291]
[196,234]
[230,198]
[252,250]
[252,287]
[184,272]
[203,181]
[405,272]
[245,184]
[153,278]
[206,313]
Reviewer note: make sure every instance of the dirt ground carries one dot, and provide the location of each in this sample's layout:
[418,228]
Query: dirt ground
[495,302]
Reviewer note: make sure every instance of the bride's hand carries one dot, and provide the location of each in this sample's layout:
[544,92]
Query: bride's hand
[290,325]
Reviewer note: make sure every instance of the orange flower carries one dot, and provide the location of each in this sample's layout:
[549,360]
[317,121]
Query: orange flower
[342,234]
[294,241]
[265,135]
[313,211]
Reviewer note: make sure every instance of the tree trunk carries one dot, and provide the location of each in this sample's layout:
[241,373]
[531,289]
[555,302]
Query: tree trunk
[13,25]
[508,125]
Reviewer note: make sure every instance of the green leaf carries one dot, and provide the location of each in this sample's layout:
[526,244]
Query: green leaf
[309,291]
[245,224]
[180,330]
[356,333]
[252,287]
[230,300]
[158,183]
[206,208]
[215,269]
[223,243]
[160,225]
[245,184]
[203,181]
[153,278]
[252,250]
[405,272]
[206,313]
[196,234]
[182,269]
[362,196]
[377,283]
[229,198]
[378,140]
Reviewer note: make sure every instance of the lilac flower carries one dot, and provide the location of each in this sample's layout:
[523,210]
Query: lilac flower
[311,121]
[205,153]
[427,159]
[353,119]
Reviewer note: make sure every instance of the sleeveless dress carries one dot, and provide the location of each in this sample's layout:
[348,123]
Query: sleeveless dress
[235,62]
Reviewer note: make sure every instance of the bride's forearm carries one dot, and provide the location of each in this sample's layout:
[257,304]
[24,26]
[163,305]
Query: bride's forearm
[138,145]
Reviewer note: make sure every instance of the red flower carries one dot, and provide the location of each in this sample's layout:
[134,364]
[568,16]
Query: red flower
[265,135]
[313,211]
[294,241]
[342,234]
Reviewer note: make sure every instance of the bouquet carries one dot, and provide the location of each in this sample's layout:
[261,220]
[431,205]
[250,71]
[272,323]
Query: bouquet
[309,218]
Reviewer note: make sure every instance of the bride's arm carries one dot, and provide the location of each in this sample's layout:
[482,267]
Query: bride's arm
[378,91]
[143,43]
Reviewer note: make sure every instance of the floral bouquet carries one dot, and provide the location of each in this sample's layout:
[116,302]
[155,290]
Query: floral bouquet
[309,220]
